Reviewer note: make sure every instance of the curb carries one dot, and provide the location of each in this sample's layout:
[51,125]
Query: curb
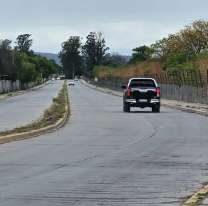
[204,191]
[201,112]
[108,91]
[35,133]
[26,91]
[196,197]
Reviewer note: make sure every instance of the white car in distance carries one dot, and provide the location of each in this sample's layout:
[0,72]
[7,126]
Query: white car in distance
[71,82]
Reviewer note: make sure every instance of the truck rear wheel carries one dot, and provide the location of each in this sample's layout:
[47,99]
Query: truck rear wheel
[127,109]
[156,109]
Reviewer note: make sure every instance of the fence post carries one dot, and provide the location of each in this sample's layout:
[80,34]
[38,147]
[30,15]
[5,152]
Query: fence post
[196,79]
[207,86]
[207,76]
[200,79]
[184,78]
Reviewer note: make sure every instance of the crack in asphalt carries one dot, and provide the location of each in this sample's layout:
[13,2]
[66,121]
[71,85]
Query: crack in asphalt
[59,166]
[145,138]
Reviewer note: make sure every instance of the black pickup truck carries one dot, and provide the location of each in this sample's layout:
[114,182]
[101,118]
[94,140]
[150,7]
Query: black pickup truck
[141,92]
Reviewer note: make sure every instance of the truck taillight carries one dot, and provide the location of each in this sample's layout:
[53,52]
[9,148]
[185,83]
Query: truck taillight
[128,92]
[158,93]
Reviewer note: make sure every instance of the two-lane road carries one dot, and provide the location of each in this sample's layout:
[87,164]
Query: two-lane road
[104,156]
[25,108]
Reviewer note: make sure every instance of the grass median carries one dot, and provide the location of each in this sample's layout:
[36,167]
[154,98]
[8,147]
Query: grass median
[52,115]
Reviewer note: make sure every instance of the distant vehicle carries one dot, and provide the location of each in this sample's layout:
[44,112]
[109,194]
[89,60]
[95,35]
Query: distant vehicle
[62,77]
[71,82]
[58,78]
[141,92]
[76,78]
[5,77]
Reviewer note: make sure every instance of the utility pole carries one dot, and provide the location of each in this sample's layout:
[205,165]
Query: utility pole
[13,56]
[73,70]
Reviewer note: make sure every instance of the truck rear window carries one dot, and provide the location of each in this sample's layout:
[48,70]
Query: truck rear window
[142,83]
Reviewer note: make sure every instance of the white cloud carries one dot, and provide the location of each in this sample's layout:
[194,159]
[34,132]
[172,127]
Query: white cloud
[125,24]
[121,37]
[45,39]
[124,36]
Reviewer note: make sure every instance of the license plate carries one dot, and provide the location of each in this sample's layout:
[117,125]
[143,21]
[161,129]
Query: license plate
[142,100]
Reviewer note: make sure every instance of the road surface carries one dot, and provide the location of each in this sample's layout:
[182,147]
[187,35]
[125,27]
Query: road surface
[25,108]
[104,156]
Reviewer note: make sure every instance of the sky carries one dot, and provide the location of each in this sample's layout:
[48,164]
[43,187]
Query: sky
[125,24]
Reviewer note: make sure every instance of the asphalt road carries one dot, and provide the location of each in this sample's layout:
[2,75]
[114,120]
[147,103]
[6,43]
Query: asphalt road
[103,156]
[25,108]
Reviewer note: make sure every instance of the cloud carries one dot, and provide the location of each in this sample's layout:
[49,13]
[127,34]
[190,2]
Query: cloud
[121,37]
[125,24]
[124,36]
[45,39]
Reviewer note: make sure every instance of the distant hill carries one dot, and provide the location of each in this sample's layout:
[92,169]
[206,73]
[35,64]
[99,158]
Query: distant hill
[49,56]
[55,56]
[127,57]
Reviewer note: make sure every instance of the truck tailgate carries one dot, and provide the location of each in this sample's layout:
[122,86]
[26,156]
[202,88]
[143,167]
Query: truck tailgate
[143,93]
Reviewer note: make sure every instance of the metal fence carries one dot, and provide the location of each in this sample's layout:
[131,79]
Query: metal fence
[9,86]
[194,78]
[185,86]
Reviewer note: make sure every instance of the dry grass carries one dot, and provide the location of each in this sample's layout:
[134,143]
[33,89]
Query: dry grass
[49,117]
[202,64]
[141,69]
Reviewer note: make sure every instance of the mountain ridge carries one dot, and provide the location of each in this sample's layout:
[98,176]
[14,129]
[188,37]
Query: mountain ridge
[56,58]
[49,56]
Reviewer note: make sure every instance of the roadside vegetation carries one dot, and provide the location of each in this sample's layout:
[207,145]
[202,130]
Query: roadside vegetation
[21,63]
[184,51]
[78,58]
[50,116]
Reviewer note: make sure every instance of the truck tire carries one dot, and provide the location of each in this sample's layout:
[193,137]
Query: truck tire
[156,109]
[127,109]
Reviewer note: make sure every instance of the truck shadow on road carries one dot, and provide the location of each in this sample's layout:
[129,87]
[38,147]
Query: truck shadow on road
[144,112]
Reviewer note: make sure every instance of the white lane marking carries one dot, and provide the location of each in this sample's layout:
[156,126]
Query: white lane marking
[162,127]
